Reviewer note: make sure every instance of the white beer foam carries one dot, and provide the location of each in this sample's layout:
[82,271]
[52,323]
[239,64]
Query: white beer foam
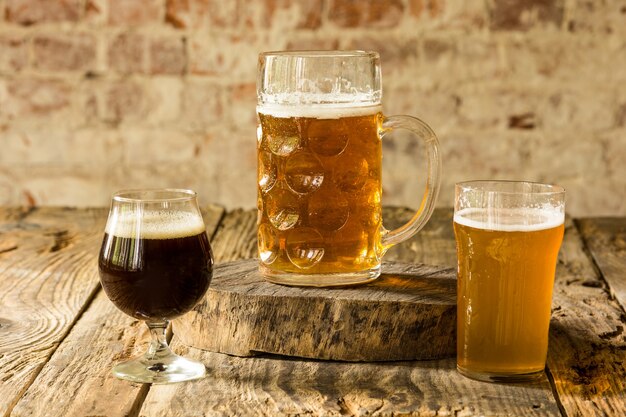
[319,111]
[154,224]
[510,220]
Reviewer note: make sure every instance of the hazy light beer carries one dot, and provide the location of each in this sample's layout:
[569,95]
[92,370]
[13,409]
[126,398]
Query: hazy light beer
[506,265]
[319,168]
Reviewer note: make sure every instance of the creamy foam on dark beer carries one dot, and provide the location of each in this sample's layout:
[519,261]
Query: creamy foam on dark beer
[319,111]
[510,219]
[154,224]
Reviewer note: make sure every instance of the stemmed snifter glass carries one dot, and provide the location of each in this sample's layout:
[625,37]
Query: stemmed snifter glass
[156,264]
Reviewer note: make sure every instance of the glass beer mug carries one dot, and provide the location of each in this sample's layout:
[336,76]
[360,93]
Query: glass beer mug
[319,168]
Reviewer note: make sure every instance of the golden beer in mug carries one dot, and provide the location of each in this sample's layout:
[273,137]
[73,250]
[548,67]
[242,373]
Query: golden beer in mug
[320,166]
[508,236]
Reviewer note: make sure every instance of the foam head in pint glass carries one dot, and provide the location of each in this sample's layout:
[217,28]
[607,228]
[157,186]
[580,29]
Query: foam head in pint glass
[508,236]
[319,156]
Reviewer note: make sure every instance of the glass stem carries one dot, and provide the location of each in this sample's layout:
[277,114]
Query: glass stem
[158,345]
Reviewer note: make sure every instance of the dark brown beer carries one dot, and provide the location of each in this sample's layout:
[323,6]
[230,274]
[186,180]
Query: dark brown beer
[156,277]
[319,178]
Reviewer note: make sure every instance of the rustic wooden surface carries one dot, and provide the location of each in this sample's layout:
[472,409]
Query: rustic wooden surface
[59,336]
[332,389]
[587,352]
[606,240]
[76,379]
[408,313]
[47,280]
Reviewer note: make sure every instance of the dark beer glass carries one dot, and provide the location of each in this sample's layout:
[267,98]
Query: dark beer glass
[155,264]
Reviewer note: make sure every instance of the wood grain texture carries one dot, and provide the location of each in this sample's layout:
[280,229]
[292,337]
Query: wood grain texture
[272,386]
[408,313]
[48,276]
[276,386]
[587,351]
[76,381]
[235,237]
[39,257]
[606,240]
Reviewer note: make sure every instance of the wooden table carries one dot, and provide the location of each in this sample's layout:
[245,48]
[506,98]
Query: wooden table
[60,335]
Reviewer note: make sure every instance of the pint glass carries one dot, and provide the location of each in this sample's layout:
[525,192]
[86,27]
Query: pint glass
[319,168]
[508,236]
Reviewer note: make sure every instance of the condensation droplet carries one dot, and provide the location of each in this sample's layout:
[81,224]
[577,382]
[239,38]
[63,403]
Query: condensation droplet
[305,247]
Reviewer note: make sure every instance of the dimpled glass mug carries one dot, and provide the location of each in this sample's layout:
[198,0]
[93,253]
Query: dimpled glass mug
[319,168]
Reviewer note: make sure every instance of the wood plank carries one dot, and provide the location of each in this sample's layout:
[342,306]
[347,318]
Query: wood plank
[587,343]
[587,351]
[277,386]
[235,237]
[605,238]
[408,313]
[47,278]
[76,381]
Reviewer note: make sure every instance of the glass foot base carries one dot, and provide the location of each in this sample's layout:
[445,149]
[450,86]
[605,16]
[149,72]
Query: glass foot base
[162,370]
[320,280]
[501,377]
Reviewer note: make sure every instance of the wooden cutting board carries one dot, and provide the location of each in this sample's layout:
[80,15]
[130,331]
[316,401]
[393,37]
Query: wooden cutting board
[408,313]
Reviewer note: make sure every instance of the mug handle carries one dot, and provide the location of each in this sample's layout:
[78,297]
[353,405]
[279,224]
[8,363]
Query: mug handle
[427,205]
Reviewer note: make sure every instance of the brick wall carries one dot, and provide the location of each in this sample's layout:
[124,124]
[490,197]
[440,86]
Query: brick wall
[98,95]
